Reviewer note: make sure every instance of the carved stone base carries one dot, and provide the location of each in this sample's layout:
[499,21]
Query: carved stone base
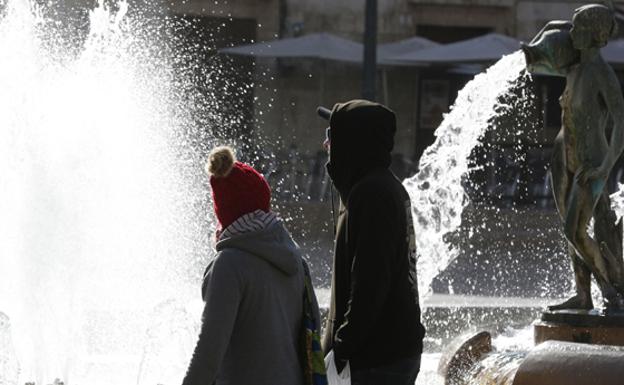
[566,363]
[585,326]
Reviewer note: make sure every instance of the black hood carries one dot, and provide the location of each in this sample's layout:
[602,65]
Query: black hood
[362,138]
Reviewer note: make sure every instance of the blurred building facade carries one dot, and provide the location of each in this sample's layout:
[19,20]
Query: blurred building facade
[287,91]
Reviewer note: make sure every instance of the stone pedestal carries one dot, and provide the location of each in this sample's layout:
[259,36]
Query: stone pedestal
[566,363]
[585,326]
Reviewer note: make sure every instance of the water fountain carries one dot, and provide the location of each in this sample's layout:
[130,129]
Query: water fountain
[439,201]
[575,343]
[102,228]
[102,220]
[100,197]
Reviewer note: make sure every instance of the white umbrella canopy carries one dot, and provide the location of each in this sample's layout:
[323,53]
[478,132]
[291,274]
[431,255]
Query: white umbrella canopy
[485,48]
[328,47]
[314,46]
[613,52]
[385,52]
[412,51]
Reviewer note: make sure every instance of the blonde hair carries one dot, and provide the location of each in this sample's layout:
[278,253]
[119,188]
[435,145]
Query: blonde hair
[220,161]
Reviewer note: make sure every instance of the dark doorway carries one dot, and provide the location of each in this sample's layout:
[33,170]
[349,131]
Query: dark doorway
[445,35]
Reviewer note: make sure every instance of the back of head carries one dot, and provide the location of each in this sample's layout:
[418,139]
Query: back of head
[368,123]
[237,188]
[362,137]
[362,128]
[597,19]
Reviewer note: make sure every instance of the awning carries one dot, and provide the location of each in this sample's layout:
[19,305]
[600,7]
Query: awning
[315,46]
[486,48]
[328,47]
[385,52]
[613,52]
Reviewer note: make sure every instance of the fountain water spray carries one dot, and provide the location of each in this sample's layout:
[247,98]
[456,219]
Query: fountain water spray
[101,197]
[438,197]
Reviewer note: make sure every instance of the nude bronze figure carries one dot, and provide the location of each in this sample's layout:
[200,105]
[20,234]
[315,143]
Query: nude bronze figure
[583,157]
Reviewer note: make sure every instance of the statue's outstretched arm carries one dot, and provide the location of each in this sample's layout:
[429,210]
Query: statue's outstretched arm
[612,94]
[609,91]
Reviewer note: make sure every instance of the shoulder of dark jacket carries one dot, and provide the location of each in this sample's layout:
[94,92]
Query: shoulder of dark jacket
[377,186]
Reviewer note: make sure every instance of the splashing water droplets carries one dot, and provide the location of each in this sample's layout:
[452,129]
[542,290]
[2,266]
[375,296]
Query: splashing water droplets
[438,198]
[97,198]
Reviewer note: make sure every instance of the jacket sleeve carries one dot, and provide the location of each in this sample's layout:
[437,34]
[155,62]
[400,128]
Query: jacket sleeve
[223,292]
[373,228]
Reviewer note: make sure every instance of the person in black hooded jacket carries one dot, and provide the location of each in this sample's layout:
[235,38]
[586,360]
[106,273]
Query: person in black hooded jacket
[374,316]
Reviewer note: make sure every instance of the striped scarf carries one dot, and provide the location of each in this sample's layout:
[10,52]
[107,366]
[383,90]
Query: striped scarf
[248,223]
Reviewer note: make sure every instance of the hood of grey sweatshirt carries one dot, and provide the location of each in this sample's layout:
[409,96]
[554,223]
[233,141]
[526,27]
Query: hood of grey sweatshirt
[273,244]
[253,292]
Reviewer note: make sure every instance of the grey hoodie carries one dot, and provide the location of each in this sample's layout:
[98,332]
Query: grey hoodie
[252,319]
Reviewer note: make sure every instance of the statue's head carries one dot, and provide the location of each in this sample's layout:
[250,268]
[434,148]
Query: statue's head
[593,25]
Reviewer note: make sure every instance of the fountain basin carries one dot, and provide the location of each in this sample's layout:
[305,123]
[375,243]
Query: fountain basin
[559,363]
[474,361]
[587,326]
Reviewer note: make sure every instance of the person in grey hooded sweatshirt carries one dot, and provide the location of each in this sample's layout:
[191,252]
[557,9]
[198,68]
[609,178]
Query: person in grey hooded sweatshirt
[253,289]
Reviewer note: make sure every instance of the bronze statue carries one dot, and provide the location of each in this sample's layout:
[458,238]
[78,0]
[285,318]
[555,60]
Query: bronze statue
[591,103]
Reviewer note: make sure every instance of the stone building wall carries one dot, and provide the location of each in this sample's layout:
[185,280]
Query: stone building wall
[497,16]
[531,16]
[265,12]
[346,18]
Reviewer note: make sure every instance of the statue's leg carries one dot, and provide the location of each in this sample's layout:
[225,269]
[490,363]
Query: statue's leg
[608,234]
[561,185]
[582,279]
[579,211]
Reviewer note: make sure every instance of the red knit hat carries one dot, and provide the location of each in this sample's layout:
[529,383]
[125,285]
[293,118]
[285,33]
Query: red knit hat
[237,189]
